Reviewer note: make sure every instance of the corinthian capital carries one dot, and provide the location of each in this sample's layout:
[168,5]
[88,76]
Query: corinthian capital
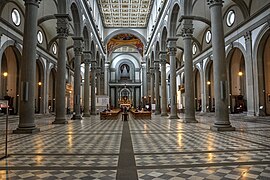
[77,45]
[163,57]
[172,45]
[62,25]
[87,57]
[187,30]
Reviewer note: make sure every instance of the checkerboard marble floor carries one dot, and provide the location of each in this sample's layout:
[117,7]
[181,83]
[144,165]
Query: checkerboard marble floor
[162,149]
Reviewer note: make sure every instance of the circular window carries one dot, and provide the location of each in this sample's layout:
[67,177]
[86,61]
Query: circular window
[194,49]
[16,17]
[54,49]
[230,18]
[40,37]
[208,36]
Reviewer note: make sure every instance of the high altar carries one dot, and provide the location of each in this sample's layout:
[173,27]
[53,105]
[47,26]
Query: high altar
[124,102]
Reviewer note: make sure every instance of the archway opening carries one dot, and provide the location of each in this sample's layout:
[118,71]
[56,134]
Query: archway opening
[210,103]
[237,78]
[10,78]
[266,69]
[51,91]
[198,98]
[39,88]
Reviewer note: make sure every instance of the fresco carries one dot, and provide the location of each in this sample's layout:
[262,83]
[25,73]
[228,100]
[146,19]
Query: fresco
[123,40]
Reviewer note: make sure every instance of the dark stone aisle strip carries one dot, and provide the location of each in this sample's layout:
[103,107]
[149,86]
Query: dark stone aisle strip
[126,163]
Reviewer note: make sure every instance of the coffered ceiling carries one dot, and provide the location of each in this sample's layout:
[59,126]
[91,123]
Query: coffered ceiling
[125,13]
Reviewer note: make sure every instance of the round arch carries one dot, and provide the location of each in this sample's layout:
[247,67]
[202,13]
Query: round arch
[76,19]
[197,88]
[86,38]
[93,50]
[163,39]
[157,50]
[209,79]
[125,56]
[39,86]
[129,31]
[51,88]
[9,85]
[237,80]
[131,71]
[173,17]
[118,46]
[261,55]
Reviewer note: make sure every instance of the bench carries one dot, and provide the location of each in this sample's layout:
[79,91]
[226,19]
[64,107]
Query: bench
[140,114]
[110,115]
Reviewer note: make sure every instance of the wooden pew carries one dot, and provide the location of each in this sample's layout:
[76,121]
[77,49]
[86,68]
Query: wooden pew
[110,115]
[140,114]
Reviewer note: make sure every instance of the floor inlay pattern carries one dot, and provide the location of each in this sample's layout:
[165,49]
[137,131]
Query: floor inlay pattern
[161,148]
[210,173]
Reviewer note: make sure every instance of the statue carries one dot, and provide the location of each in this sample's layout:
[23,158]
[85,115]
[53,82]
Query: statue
[124,71]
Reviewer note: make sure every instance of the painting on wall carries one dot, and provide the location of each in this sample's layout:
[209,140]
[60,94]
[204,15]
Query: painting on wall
[125,40]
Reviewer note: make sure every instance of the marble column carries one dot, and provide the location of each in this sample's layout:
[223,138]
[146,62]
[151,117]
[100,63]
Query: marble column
[222,122]
[28,70]
[87,56]
[62,31]
[152,92]
[249,76]
[189,116]
[173,95]
[157,95]
[163,60]
[77,77]
[93,86]
[98,74]
[106,72]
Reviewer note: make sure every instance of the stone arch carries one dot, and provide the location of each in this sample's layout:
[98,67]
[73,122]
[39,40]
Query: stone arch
[10,59]
[152,58]
[76,19]
[173,19]
[86,38]
[209,79]
[164,39]
[157,50]
[197,87]
[243,7]
[4,3]
[237,79]
[236,45]
[129,31]
[39,86]
[17,48]
[118,46]
[130,64]
[263,38]
[131,55]
[93,50]
[51,88]
[97,56]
